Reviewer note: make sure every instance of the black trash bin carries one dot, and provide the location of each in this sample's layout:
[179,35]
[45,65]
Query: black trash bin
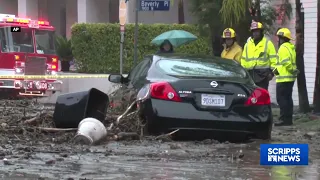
[71,108]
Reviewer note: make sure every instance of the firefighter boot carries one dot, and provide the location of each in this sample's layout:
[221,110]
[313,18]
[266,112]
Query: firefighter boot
[284,122]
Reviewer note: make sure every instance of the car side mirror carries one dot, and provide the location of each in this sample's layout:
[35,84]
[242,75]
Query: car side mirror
[116,78]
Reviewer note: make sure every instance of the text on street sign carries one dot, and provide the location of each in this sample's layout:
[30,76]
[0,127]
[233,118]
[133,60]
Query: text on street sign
[122,12]
[154,5]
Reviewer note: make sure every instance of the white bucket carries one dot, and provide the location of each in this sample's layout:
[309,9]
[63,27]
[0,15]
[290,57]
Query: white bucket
[90,131]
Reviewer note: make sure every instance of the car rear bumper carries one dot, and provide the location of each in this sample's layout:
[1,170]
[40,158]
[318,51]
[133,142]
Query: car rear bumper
[166,115]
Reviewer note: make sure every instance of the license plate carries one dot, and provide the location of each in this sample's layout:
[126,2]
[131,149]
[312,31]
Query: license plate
[43,85]
[213,100]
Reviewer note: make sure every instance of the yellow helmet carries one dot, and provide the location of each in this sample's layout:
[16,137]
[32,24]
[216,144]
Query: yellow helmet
[256,25]
[284,32]
[229,33]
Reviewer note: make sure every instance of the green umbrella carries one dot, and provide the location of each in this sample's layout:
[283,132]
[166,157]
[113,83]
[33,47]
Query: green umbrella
[176,38]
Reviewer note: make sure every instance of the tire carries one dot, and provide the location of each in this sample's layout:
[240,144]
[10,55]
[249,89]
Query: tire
[150,128]
[265,135]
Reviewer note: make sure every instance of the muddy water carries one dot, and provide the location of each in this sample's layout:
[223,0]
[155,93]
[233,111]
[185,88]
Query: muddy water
[27,159]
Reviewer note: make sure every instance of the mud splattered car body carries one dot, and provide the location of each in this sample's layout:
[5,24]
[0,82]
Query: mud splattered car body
[193,93]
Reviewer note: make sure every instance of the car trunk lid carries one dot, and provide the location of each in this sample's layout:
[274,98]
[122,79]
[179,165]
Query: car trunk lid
[211,94]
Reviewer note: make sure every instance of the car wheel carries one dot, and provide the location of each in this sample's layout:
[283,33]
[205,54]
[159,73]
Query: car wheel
[149,128]
[265,135]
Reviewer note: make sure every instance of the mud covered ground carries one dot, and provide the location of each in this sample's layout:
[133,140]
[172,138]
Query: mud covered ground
[29,151]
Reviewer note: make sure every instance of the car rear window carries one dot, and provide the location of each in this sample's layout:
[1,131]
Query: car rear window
[185,67]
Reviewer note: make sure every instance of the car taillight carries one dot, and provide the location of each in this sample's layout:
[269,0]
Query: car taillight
[259,96]
[164,91]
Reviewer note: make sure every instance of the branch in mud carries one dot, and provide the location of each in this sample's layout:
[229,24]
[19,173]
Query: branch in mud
[39,118]
[42,129]
[125,114]
[166,136]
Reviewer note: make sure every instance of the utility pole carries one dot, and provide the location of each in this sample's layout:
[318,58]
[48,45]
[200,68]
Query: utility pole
[136,28]
[316,97]
[304,105]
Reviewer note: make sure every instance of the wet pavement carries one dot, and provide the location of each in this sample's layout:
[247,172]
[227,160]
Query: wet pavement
[148,159]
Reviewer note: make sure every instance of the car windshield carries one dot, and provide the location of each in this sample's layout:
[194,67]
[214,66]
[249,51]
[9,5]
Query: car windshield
[198,68]
[44,42]
[16,41]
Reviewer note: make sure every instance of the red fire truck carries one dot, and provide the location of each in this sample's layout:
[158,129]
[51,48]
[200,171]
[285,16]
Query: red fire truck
[30,51]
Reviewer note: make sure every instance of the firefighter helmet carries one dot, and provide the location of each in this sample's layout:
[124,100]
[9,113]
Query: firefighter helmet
[229,33]
[256,25]
[284,32]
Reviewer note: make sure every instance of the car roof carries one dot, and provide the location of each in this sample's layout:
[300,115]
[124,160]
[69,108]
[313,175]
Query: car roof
[194,57]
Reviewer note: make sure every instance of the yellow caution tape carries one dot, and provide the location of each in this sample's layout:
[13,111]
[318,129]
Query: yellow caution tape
[51,76]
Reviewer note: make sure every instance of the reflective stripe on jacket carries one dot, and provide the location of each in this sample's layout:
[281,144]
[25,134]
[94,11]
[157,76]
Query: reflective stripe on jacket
[286,63]
[234,52]
[260,56]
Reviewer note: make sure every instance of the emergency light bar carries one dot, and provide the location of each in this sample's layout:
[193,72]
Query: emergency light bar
[7,18]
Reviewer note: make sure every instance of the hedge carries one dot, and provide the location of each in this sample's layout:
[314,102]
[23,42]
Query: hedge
[96,46]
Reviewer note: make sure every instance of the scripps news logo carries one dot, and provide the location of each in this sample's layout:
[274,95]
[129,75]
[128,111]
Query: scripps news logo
[284,154]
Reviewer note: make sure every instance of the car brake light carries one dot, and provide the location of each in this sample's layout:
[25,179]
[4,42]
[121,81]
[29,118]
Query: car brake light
[259,96]
[54,60]
[164,91]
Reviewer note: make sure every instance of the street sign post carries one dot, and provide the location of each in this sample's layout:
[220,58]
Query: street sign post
[154,5]
[122,21]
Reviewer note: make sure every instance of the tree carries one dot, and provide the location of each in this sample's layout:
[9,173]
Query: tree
[316,97]
[181,12]
[304,105]
[209,21]
[214,16]
[233,11]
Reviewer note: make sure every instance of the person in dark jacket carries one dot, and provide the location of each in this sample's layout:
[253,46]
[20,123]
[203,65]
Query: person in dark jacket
[166,47]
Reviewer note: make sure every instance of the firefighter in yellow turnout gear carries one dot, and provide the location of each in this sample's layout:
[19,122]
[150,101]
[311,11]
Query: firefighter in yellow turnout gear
[286,72]
[259,56]
[231,50]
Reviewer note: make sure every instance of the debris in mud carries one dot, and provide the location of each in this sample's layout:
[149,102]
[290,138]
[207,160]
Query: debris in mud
[7,162]
[309,135]
[49,162]
[90,131]
[28,119]
[64,155]
[127,136]
[240,154]
[175,146]
[123,113]
[166,137]
[23,120]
